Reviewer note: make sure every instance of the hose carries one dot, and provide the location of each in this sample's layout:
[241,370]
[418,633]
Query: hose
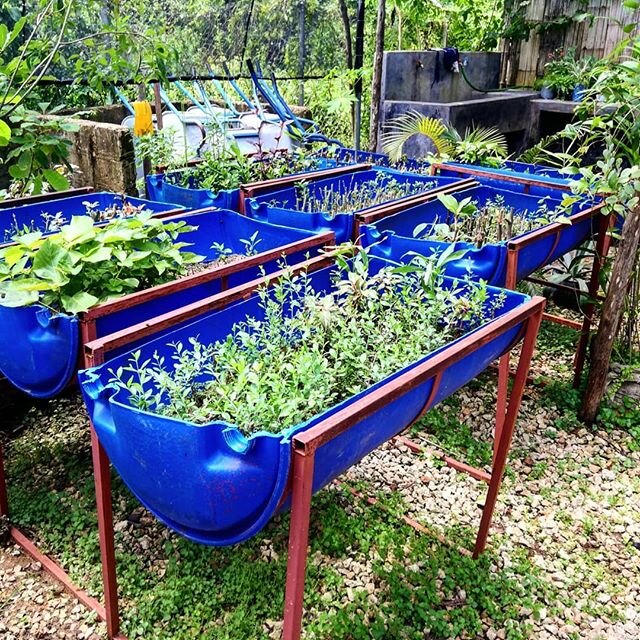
[463,73]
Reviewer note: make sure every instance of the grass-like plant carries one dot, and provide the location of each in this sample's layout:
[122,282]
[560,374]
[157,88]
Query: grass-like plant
[86,264]
[309,350]
[332,200]
[494,221]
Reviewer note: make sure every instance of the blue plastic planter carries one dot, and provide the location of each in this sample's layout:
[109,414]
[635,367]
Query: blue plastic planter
[215,486]
[162,187]
[283,207]
[392,237]
[521,170]
[34,216]
[39,349]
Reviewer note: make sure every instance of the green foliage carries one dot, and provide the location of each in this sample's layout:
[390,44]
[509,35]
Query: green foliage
[86,264]
[37,159]
[281,369]
[482,145]
[229,168]
[158,149]
[564,72]
[410,124]
[331,200]
[494,221]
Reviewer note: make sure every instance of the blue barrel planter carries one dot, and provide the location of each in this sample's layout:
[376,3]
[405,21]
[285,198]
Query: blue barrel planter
[345,155]
[35,216]
[520,170]
[284,207]
[217,487]
[163,188]
[40,349]
[392,237]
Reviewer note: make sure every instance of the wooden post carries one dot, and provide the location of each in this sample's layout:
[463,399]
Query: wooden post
[376,83]
[301,47]
[611,315]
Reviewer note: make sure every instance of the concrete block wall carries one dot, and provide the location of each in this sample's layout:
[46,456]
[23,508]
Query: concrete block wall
[418,81]
[420,76]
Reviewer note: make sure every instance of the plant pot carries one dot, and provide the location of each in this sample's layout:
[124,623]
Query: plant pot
[547,93]
[579,92]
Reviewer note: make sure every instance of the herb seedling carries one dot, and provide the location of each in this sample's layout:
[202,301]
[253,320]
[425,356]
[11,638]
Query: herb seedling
[361,196]
[307,350]
[494,221]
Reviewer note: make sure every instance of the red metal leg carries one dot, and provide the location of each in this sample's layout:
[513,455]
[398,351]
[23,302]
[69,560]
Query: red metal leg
[506,434]
[503,369]
[501,403]
[4,499]
[102,477]
[298,543]
[602,248]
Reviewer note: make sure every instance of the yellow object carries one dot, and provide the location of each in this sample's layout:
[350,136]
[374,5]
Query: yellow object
[143,123]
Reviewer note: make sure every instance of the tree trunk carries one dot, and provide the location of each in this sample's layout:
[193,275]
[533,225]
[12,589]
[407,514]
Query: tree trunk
[357,65]
[376,83]
[611,316]
[301,47]
[344,12]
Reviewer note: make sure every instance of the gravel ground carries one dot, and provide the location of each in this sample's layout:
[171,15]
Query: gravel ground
[35,607]
[570,502]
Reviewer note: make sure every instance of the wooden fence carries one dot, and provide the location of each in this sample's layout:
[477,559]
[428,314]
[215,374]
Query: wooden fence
[557,25]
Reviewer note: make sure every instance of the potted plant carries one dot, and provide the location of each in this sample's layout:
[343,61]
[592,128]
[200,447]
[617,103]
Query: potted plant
[583,76]
[559,77]
[566,76]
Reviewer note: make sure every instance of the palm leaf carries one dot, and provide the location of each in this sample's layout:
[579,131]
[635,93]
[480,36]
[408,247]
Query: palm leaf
[488,137]
[410,124]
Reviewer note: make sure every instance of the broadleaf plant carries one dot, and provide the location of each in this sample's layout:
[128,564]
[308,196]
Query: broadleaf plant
[86,264]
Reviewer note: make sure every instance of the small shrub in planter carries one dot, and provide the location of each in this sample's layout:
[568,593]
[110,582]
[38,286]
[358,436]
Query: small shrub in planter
[229,169]
[492,222]
[306,351]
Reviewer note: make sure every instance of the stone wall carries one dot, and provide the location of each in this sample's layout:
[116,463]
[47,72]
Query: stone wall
[103,156]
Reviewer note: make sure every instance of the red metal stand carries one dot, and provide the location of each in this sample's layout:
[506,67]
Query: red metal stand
[307,443]
[49,565]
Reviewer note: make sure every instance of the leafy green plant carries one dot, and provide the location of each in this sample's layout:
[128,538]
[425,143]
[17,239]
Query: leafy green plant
[360,196]
[282,368]
[229,168]
[564,72]
[483,145]
[158,149]
[492,222]
[86,264]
